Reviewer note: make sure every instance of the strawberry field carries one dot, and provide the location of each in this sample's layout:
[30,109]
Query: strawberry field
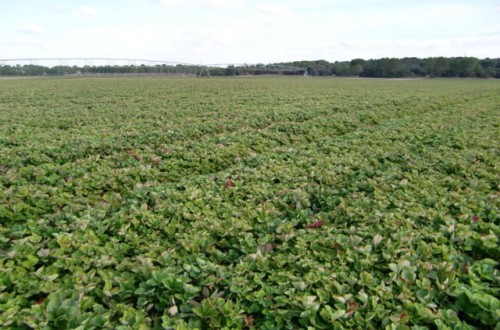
[258,203]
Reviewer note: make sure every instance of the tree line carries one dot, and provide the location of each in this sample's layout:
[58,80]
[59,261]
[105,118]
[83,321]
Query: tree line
[179,69]
[60,70]
[382,68]
[406,67]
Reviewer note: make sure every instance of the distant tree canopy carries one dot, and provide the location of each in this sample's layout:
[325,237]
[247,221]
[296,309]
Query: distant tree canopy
[405,67]
[383,67]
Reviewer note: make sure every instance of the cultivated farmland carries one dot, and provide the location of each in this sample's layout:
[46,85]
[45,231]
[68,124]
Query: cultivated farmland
[266,203]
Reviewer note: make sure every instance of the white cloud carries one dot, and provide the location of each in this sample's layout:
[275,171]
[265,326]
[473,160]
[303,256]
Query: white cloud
[169,2]
[469,46]
[32,29]
[226,31]
[274,9]
[116,41]
[210,4]
[85,12]
[30,43]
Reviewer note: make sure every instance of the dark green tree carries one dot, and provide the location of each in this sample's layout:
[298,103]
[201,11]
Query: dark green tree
[436,66]
[384,68]
[464,67]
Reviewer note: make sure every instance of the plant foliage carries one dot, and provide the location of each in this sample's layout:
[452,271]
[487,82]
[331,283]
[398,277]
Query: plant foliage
[249,203]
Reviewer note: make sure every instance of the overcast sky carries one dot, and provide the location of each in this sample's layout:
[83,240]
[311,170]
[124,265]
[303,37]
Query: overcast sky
[248,31]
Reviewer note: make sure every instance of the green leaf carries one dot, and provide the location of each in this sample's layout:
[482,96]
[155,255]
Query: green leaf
[331,315]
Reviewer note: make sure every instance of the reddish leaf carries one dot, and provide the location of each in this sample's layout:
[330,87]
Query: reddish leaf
[133,154]
[249,321]
[40,301]
[475,218]
[229,183]
[156,160]
[268,247]
[165,151]
[316,224]
[352,307]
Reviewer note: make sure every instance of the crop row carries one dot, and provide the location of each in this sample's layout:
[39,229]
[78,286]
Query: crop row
[268,203]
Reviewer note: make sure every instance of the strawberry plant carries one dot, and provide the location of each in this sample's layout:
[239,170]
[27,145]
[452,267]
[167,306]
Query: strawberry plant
[266,203]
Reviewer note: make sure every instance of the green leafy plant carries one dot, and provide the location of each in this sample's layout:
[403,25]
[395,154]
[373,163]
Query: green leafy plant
[266,203]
